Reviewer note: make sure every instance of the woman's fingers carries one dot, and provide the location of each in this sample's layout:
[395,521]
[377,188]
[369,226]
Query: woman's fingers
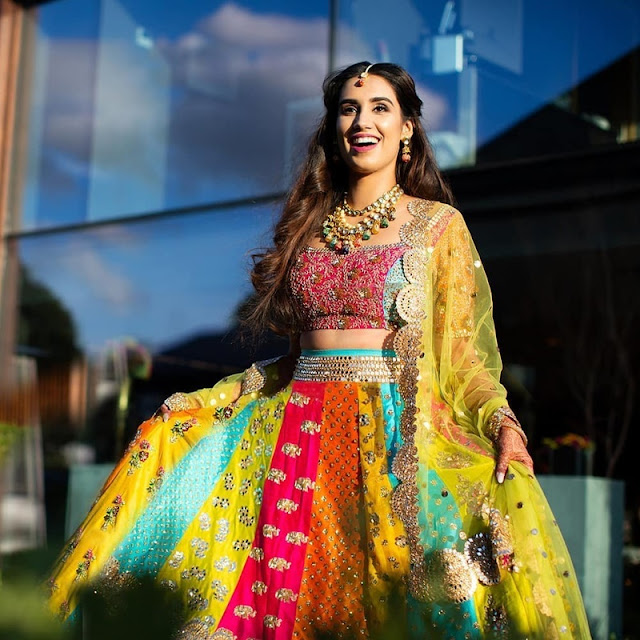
[523,456]
[511,448]
[502,466]
[163,411]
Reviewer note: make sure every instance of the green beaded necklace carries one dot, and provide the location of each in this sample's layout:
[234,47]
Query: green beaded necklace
[342,236]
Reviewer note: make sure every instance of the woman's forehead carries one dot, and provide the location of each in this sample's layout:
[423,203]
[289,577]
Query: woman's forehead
[373,87]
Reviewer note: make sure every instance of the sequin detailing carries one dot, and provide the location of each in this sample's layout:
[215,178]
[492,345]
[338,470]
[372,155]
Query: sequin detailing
[82,570]
[276,475]
[344,291]
[279,564]
[297,538]
[155,483]
[407,344]
[479,554]
[286,506]
[299,399]
[180,427]
[244,611]
[137,458]
[112,512]
[449,577]
[270,579]
[259,587]
[286,595]
[112,578]
[270,531]
[375,368]
[272,622]
[304,484]
[256,554]
[335,567]
[290,449]
[403,449]
[501,542]
[497,621]
[176,559]
[308,426]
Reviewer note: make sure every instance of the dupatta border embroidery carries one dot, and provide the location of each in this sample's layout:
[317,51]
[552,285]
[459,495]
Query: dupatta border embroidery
[418,233]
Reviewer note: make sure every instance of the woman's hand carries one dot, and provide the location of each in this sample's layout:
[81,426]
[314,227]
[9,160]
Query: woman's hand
[163,411]
[183,402]
[177,402]
[510,448]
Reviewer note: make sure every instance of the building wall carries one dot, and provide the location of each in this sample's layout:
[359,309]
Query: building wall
[153,144]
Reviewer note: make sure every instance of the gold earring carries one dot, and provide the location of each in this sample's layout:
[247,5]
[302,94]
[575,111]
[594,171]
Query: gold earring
[406,151]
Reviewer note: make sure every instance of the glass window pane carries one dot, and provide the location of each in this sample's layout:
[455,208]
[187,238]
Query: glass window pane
[509,78]
[120,316]
[158,281]
[134,108]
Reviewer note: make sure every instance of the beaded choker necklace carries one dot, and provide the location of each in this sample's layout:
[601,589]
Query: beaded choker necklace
[344,236]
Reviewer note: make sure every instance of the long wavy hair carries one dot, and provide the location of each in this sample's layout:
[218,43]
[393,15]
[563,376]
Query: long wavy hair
[319,188]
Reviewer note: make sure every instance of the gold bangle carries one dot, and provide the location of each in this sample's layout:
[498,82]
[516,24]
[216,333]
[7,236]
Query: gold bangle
[498,421]
[178,402]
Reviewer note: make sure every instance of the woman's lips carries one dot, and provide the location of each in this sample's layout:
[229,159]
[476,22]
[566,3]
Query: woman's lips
[364,143]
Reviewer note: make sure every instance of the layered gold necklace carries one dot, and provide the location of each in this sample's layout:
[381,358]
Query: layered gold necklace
[341,235]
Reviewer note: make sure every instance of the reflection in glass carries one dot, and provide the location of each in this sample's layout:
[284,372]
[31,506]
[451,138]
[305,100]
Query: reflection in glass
[131,118]
[564,316]
[506,79]
[156,281]
[119,316]
[135,109]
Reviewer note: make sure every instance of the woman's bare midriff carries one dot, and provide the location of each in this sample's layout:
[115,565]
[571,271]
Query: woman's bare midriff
[347,339]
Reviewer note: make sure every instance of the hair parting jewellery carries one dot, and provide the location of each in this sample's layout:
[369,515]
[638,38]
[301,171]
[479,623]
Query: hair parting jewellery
[363,76]
[343,236]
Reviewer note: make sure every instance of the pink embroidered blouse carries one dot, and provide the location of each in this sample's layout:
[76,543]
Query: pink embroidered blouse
[356,290]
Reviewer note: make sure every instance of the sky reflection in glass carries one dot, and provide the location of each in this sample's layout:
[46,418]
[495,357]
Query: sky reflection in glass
[139,106]
[136,109]
[157,281]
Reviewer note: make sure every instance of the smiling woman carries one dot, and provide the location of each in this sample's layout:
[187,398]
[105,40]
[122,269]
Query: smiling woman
[374,479]
[370,128]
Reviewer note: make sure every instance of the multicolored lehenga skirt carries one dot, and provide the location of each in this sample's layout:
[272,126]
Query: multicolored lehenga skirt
[272,518]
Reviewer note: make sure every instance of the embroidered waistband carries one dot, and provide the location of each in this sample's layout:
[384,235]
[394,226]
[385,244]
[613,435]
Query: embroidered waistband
[349,368]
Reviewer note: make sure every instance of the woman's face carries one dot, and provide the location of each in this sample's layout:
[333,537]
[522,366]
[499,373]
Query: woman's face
[370,127]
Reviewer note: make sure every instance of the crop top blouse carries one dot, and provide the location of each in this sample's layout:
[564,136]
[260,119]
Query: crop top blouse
[356,290]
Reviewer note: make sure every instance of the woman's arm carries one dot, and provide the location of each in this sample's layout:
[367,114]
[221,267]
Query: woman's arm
[466,350]
[253,379]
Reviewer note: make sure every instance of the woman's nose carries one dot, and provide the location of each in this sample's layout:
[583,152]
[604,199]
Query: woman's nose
[362,121]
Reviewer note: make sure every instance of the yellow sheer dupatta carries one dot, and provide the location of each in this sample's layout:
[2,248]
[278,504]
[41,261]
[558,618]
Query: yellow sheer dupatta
[451,365]
[451,388]
[466,365]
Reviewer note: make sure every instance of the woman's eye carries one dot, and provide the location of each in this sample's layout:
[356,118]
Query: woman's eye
[380,107]
[348,109]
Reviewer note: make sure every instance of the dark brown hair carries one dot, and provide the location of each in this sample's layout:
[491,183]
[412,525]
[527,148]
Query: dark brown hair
[318,189]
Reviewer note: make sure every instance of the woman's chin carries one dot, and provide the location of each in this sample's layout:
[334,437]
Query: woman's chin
[361,167]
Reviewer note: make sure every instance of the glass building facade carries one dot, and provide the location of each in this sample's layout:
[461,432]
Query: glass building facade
[152,144]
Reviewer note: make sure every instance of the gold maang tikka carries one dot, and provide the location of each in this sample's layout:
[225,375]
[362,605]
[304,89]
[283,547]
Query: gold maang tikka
[363,76]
